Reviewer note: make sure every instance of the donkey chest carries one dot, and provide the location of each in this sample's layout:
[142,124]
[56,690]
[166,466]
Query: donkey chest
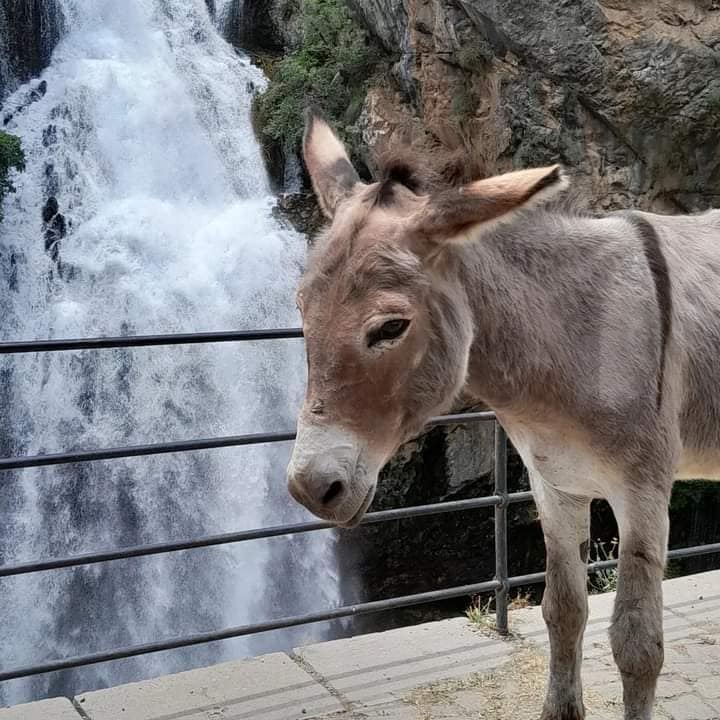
[561,459]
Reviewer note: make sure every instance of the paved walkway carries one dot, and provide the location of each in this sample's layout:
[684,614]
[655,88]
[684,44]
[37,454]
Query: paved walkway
[447,670]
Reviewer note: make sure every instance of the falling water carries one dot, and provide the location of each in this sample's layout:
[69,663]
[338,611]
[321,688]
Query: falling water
[164,223]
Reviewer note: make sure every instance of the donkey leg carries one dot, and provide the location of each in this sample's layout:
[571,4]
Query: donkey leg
[566,526]
[636,632]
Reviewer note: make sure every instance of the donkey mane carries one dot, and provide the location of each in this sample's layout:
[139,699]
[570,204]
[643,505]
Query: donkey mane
[398,170]
[417,173]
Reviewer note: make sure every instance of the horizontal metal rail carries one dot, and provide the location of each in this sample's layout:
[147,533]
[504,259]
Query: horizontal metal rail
[178,446]
[333,614]
[128,341]
[234,632]
[600,565]
[694,551]
[64,458]
[255,534]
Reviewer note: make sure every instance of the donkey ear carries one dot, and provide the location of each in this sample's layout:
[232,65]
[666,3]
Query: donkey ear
[333,176]
[449,215]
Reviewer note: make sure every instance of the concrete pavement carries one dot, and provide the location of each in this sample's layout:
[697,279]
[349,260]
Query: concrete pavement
[446,670]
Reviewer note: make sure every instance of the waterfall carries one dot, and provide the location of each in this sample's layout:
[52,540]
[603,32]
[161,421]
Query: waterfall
[145,208]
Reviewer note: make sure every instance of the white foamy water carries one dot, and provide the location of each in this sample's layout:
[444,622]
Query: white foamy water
[144,137]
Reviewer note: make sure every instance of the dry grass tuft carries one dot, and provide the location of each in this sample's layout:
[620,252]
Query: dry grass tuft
[514,691]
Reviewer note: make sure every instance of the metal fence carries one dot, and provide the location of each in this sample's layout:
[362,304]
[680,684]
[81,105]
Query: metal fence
[500,500]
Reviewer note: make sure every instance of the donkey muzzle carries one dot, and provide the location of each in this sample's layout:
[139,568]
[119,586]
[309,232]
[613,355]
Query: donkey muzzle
[328,476]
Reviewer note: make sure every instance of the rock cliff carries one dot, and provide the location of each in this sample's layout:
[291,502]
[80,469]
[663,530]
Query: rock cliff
[627,95]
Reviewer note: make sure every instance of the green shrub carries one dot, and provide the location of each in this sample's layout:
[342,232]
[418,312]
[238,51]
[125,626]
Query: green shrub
[11,156]
[330,70]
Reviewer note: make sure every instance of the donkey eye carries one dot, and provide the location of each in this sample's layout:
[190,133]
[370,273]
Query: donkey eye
[390,330]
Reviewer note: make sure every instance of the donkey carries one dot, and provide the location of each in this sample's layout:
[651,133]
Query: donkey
[595,341]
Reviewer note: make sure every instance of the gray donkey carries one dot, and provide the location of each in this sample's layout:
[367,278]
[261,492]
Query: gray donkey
[596,342]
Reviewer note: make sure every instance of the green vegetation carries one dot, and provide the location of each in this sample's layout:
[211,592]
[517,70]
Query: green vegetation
[603,581]
[329,70]
[11,156]
[481,612]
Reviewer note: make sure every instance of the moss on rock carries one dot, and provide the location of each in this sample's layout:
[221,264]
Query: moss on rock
[11,157]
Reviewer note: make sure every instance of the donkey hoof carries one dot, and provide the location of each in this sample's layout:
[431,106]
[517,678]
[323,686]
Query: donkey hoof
[565,712]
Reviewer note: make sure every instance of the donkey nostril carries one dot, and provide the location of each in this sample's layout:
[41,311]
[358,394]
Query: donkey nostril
[336,487]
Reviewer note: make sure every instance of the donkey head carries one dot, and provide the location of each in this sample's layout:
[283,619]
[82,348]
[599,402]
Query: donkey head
[387,321]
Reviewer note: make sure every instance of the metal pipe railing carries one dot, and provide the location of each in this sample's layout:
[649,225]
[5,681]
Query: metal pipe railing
[64,458]
[501,550]
[128,341]
[600,565]
[255,534]
[499,501]
[333,614]
[234,632]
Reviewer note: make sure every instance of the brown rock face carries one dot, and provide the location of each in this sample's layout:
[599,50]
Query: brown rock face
[627,95]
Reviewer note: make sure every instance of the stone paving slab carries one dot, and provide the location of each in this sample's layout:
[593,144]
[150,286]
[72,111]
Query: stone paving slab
[55,709]
[383,667]
[271,687]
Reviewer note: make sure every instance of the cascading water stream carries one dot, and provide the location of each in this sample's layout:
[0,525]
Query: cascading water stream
[158,218]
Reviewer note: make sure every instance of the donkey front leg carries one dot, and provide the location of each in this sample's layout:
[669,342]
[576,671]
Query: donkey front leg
[636,633]
[566,526]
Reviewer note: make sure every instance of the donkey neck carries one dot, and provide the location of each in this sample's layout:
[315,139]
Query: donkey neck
[533,287]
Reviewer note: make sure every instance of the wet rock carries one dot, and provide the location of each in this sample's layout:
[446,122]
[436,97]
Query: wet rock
[33,95]
[54,228]
[29,32]
[302,211]
[51,184]
[49,136]
[263,26]
[39,91]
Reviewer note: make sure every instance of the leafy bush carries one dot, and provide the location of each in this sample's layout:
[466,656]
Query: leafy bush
[330,70]
[11,156]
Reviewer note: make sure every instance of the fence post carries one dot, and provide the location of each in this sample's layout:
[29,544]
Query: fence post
[501,554]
